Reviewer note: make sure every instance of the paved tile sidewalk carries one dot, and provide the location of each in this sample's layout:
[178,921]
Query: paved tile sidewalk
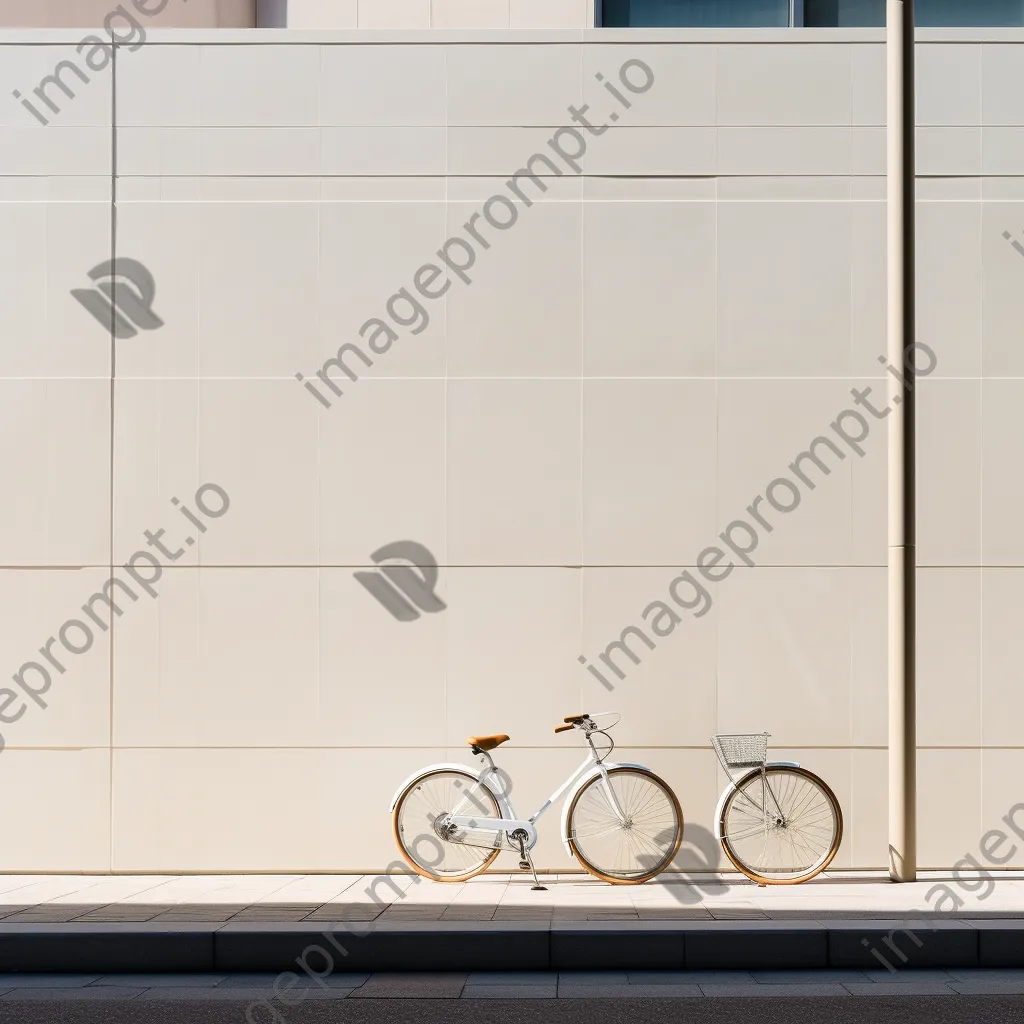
[515,985]
[502,897]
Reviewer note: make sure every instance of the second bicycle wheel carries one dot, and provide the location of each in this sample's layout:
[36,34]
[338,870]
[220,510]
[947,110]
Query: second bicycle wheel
[631,847]
[430,798]
[781,826]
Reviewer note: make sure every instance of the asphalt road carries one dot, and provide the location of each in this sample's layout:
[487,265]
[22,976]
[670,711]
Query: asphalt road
[759,1010]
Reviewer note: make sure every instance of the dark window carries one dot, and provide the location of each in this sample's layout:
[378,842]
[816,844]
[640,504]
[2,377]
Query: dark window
[849,13]
[695,13]
[980,13]
[808,13]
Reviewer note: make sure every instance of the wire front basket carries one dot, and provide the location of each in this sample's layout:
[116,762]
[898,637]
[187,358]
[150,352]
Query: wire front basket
[743,750]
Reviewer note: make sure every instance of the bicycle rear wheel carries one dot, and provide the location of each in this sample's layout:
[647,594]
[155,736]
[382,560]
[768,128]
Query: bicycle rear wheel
[635,846]
[781,826]
[433,796]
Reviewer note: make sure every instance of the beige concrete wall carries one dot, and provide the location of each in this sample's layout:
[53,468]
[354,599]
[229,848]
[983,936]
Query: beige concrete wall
[91,13]
[649,346]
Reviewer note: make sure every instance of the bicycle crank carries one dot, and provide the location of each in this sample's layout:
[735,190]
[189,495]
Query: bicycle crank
[519,837]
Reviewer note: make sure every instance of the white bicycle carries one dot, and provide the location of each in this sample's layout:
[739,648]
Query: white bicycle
[778,823]
[620,821]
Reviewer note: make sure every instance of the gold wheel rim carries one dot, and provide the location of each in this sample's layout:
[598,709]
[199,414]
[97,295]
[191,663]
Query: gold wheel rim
[833,850]
[640,879]
[401,846]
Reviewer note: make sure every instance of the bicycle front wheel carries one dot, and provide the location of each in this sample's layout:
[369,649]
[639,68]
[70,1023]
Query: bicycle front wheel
[627,835]
[781,826]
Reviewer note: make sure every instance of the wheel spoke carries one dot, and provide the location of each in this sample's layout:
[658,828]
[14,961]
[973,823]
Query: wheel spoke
[435,795]
[781,825]
[629,850]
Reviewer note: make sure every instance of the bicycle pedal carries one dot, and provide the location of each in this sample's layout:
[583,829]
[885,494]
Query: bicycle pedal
[524,865]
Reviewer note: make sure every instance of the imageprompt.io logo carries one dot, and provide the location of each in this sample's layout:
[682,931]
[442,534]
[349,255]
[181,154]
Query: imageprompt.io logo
[123,297]
[404,588]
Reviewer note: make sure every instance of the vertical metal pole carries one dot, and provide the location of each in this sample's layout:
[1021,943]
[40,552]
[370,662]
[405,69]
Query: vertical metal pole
[902,542]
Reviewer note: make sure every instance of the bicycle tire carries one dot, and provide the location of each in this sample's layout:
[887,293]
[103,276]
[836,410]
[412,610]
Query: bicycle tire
[670,841]
[399,827]
[729,826]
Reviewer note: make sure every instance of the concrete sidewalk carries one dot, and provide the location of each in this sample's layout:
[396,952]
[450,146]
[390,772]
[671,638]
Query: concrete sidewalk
[87,899]
[203,923]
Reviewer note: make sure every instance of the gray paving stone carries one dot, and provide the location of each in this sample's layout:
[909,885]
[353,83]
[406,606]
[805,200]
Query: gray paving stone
[512,978]
[821,977]
[630,991]
[907,975]
[265,980]
[984,988]
[966,974]
[593,978]
[251,979]
[910,988]
[411,986]
[35,995]
[595,991]
[665,977]
[510,992]
[242,995]
[695,977]
[768,991]
[47,980]
[161,980]
[237,993]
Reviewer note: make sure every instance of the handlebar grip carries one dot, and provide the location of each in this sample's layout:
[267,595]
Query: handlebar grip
[562,728]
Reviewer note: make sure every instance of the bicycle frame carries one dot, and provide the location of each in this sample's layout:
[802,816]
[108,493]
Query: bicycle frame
[509,822]
[491,832]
